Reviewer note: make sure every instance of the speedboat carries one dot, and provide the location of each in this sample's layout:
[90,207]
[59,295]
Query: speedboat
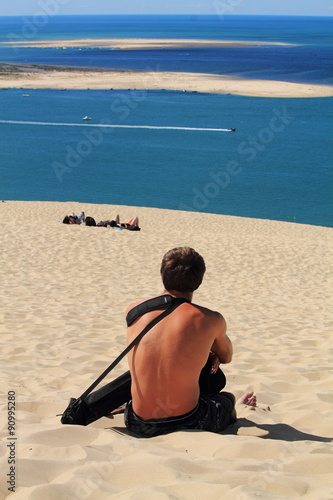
[86,118]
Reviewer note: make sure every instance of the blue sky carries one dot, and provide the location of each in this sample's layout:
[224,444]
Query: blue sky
[249,7]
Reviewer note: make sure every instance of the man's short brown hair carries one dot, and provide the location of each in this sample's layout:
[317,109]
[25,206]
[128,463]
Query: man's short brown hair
[182,269]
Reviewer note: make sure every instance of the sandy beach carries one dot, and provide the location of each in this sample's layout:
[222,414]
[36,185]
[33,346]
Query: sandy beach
[136,43]
[64,292]
[62,77]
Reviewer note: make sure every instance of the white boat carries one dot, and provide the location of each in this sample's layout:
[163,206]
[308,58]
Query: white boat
[86,118]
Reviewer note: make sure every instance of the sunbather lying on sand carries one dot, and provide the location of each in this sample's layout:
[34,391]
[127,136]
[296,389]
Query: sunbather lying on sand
[74,219]
[132,224]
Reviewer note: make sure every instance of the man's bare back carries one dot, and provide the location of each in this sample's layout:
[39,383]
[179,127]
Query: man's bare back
[166,364]
[173,386]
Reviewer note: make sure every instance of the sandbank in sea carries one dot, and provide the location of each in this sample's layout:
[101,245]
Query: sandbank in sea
[62,77]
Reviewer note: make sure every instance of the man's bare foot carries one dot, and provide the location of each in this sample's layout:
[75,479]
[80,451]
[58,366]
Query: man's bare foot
[249,399]
[121,409]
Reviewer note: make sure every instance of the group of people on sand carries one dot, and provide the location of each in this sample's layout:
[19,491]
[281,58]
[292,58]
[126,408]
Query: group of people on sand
[131,225]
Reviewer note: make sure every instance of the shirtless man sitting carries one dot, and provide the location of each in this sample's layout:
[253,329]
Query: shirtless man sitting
[167,363]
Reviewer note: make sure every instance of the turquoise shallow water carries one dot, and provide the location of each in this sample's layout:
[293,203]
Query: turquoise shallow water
[277,165]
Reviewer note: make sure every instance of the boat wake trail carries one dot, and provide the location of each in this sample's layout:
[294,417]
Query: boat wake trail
[110,125]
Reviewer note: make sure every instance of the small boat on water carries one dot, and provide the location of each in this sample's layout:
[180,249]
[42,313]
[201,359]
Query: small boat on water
[86,118]
[232,129]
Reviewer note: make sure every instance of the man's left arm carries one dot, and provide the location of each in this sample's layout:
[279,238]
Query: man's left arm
[222,346]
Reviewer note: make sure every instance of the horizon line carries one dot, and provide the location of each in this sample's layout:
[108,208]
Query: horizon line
[175,14]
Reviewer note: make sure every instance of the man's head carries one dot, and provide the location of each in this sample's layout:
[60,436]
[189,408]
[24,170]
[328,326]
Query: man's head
[182,269]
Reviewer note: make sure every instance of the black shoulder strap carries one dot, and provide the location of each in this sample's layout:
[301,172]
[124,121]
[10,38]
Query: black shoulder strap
[176,303]
[147,306]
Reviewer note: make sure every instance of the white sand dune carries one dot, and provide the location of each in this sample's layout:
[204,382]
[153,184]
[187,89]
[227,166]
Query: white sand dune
[63,295]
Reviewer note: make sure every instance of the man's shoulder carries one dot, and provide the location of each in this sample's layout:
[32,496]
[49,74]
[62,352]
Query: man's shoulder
[133,304]
[208,313]
[190,307]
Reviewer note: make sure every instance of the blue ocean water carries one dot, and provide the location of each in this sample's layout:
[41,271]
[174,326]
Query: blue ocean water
[287,29]
[308,60]
[277,165]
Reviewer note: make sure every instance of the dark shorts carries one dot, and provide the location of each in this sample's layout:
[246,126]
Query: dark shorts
[213,413]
